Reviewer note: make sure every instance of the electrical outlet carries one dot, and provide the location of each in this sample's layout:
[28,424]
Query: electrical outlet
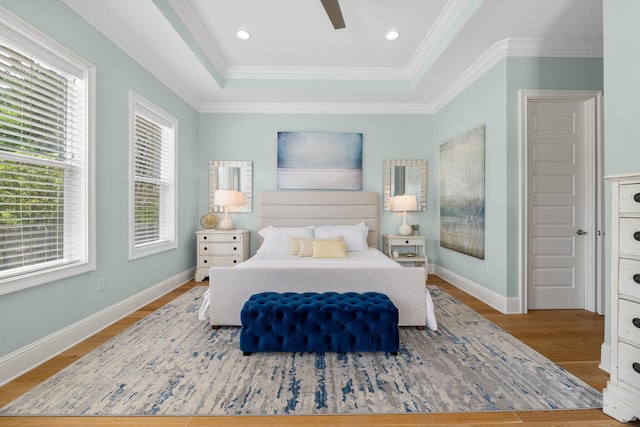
[101,284]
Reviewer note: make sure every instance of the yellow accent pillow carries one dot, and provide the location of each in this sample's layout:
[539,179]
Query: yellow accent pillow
[306,245]
[294,245]
[329,248]
[306,248]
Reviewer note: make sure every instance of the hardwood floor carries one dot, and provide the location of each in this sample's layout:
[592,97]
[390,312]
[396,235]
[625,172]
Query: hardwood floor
[571,338]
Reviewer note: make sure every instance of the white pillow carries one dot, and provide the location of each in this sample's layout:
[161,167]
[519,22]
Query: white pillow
[276,239]
[355,236]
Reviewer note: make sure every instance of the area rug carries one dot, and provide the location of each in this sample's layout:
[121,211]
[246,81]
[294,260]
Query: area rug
[170,363]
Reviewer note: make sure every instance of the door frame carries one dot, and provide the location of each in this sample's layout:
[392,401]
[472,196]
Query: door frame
[594,289]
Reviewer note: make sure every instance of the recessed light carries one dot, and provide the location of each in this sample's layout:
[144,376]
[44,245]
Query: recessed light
[243,35]
[392,35]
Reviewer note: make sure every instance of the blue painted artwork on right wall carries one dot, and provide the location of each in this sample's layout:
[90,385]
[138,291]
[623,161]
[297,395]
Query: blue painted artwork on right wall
[462,190]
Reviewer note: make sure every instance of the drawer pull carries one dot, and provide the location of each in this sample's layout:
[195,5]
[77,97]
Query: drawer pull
[235,237]
[205,261]
[205,248]
[636,278]
[235,261]
[235,249]
[636,322]
[636,367]
[636,197]
[204,237]
[636,235]
[406,242]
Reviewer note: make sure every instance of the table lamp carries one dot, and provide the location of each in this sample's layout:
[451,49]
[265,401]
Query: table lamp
[226,198]
[404,203]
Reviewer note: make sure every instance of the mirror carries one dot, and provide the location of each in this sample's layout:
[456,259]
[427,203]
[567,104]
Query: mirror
[231,175]
[405,177]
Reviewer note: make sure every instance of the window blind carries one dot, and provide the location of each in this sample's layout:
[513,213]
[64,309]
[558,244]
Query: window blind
[154,186]
[43,176]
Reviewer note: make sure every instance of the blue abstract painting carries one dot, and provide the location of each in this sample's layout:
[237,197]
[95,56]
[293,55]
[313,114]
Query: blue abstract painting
[462,199]
[319,160]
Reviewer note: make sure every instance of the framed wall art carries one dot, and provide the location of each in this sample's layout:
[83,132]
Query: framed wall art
[462,193]
[319,161]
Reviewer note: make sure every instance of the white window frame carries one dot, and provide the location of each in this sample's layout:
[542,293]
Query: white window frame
[16,32]
[168,239]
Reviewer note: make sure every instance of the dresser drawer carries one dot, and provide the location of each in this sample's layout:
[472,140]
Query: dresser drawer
[217,248]
[219,237]
[218,261]
[629,277]
[629,365]
[629,321]
[629,198]
[629,236]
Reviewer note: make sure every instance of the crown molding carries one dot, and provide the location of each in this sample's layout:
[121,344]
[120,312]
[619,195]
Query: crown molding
[443,23]
[509,47]
[567,48]
[193,23]
[137,52]
[316,73]
[315,108]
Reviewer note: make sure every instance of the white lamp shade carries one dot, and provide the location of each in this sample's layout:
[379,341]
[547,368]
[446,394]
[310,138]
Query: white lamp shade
[404,203]
[241,199]
[226,198]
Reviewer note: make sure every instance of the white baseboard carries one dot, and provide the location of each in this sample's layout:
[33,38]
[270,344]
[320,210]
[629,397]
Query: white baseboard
[605,357]
[506,305]
[28,357]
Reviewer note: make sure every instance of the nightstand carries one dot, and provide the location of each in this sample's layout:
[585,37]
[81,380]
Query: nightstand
[220,248]
[411,249]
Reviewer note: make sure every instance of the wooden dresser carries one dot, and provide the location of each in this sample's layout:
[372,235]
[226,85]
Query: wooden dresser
[621,397]
[219,248]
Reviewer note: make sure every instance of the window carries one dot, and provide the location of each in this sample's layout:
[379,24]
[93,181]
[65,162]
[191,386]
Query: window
[46,147]
[152,205]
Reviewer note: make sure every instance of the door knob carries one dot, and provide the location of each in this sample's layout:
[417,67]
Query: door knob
[581,232]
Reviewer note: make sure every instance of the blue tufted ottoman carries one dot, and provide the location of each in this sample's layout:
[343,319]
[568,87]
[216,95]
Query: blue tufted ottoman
[319,322]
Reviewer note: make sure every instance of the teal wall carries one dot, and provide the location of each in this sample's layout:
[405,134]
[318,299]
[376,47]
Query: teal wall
[36,312]
[254,137]
[621,107]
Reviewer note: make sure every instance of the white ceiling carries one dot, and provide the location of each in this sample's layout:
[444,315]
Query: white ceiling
[296,62]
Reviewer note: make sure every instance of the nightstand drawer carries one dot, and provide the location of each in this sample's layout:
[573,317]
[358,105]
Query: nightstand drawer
[406,242]
[629,365]
[218,261]
[217,248]
[629,277]
[629,198]
[219,237]
[629,235]
[629,321]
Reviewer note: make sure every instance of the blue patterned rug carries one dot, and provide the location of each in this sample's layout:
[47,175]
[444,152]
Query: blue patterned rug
[170,363]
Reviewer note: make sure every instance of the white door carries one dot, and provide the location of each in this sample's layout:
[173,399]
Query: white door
[560,137]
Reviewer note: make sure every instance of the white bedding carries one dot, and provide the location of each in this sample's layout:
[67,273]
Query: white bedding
[363,259]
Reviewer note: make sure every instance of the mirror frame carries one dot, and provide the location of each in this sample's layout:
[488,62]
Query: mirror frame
[246,183]
[388,164]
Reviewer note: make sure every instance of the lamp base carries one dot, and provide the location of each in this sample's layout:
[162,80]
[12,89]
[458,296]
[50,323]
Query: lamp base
[405,230]
[227,224]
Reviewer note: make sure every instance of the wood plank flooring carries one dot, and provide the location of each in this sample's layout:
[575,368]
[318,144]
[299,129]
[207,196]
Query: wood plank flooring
[571,338]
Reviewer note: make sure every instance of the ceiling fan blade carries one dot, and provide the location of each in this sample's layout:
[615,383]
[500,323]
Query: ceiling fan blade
[332,7]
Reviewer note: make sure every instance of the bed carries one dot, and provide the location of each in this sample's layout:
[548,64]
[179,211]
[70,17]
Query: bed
[276,270]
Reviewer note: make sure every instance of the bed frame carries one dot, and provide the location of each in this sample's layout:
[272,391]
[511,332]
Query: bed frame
[231,287]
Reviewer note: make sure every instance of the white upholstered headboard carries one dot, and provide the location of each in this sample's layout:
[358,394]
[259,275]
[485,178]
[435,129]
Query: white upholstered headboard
[301,208]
